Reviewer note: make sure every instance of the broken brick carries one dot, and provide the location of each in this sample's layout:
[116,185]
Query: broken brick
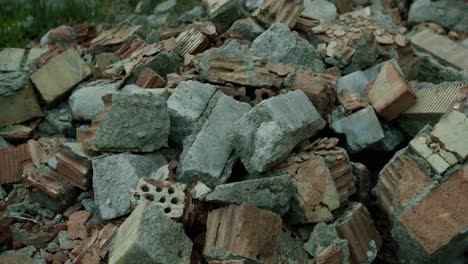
[12,160]
[390,94]
[192,41]
[149,79]
[233,231]
[74,168]
[399,182]
[76,225]
[357,226]
[316,193]
[351,101]
[318,87]
[282,11]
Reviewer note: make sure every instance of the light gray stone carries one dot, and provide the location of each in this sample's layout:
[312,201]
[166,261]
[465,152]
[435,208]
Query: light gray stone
[12,82]
[320,9]
[355,82]
[449,14]
[149,236]
[134,122]
[113,177]
[207,155]
[267,134]
[280,44]
[86,103]
[186,105]
[271,193]
[361,129]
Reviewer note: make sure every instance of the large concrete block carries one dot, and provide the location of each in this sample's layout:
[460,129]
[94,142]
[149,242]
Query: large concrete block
[272,193]
[60,75]
[242,232]
[114,177]
[361,129]
[186,105]
[149,236]
[86,102]
[20,107]
[207,155]
[280,44]
[131,121]
[268,133]
[433,228]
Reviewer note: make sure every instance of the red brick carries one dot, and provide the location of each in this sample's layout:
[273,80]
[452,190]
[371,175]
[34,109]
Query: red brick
[441,215]
[391,94]
[149,79]
[357,226]
[12,160]
[243,231]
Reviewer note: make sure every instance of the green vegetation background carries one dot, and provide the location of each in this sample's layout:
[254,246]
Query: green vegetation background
[23,21]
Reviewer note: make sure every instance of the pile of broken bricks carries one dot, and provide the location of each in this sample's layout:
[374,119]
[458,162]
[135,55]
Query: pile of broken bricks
[242,137]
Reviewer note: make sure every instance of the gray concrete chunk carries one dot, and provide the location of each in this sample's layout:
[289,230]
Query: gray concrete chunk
[186,105]
[149,236]
[12,82]
[272,193]
[133,122]
[280,44]
[362,129]
[116,175]
[267,134]
[86,102]
[207,153]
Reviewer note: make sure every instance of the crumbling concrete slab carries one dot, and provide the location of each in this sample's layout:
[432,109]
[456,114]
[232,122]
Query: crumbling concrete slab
[233,232]
[361,128]
[271,193]
[207,155]
[86,103]
[451,131]
[11,59]
[186,105]
[390,94]
[280,44]
[447,51]
[60,75]
[148,236]
[132,120]
[20,107]
[266,135]
[114,177]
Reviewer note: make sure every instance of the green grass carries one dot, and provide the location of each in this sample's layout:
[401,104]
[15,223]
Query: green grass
[25,21]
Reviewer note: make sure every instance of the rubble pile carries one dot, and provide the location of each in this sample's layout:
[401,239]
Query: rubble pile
[275,131]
